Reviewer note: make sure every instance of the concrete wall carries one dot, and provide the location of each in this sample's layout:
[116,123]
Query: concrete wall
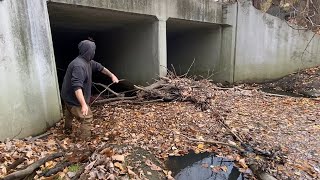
[196,10]
[29,96]
[267,48]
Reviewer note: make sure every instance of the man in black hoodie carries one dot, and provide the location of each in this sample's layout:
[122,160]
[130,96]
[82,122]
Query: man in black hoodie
[76,87]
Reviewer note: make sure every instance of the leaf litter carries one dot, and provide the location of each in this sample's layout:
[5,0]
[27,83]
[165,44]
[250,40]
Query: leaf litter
[285,128]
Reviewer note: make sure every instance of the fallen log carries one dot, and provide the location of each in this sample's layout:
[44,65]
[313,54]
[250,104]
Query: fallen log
[30,169]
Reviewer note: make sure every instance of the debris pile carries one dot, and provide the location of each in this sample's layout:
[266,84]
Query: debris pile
[169,118]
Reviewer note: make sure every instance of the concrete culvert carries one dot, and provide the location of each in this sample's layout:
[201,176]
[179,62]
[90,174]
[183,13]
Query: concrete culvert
[189,41]
[125,41]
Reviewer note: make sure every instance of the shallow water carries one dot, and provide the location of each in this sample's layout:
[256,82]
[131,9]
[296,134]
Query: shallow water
[199,167]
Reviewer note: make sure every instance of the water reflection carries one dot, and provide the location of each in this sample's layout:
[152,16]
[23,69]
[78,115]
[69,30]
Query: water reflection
[197,167]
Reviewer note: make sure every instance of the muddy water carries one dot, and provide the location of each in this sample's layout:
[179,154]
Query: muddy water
[200,167]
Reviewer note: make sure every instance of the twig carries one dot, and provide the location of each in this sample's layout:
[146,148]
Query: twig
[22,173]
[229,129]
[57,168]
[174,70]
[186,74]
[104,91]
[40,136]
[103,101]
[17,134]
[16,163]
[60,146]
[314,34]
[214,142]
[107,88]
[276,95]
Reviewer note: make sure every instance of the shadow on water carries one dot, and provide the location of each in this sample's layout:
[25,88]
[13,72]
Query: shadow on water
[194,167]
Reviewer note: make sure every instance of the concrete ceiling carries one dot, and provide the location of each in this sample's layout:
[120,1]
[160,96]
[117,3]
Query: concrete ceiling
[180,25]
[80,18]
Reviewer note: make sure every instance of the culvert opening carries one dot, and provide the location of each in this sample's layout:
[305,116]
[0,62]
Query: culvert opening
[193,43]
[125,41]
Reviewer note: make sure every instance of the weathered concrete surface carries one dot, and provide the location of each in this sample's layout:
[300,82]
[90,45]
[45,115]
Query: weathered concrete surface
[267,48]
[196,10]
[29,94]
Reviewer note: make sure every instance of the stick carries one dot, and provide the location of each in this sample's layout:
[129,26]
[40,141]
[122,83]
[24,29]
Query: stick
[229,129]
[276,95]
[214,142]
[16,163]
[60,146]
[57,168]
[186,74]
[104,91]
[40,136]
[107,88]
[103,101]
[22,173]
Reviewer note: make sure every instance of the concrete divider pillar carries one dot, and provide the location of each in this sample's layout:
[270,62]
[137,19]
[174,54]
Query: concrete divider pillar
[162,47]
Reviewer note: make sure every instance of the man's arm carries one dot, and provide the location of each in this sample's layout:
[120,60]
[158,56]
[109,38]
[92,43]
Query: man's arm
[77,79]
[110,74]
[82,101]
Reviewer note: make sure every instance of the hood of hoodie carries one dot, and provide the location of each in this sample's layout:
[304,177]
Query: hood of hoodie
[87,49]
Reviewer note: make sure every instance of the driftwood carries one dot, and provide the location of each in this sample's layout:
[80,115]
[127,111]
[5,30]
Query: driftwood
[30,169]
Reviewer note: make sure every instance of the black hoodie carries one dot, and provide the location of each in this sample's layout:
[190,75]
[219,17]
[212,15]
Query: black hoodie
[79,74]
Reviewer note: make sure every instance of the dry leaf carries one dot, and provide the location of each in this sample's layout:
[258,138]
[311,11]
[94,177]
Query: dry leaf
[119,166]
[119,158]
[243,163]
[152,165]
[200,146]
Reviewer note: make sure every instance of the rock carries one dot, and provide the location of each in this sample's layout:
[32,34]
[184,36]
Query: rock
[314,93]
[71,174]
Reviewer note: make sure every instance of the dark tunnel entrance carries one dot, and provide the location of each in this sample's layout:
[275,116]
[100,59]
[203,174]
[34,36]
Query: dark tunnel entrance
[125,41]
[193,45]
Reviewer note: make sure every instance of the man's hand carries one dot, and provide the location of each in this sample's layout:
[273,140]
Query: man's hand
[84,109]
[112,76]
[114,79]
[84,106]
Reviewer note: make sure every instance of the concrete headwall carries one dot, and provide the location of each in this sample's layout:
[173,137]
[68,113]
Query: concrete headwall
[29,95]
[196,10]
[268,48]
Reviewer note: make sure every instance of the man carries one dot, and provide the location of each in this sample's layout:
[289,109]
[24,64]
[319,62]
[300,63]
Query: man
[76,88]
